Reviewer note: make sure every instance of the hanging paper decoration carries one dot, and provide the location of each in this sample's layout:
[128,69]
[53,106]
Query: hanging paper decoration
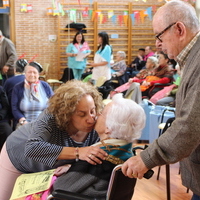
[154,8]
[125,17]
[142,15]
[91,2]
[50,11]
[101,18]
[137,16]
[120,18]
[95,15]
[29,8]
[55,8]
[125,20]
[132,18]
[110,14]
[104,19]
[23,7]
[114,17]
[79,2]
[81,16]
[91,13]
[149,12]
[72,15]
[85,12]
[55,12]
[6,4]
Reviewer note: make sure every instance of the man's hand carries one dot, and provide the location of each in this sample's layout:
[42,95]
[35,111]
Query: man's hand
[5,69]
[134,167]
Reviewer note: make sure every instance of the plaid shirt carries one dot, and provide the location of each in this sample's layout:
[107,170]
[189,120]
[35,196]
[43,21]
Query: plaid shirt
[183,55]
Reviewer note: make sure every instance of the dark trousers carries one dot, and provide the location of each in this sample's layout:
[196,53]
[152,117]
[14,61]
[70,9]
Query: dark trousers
[5,131]
[195,197]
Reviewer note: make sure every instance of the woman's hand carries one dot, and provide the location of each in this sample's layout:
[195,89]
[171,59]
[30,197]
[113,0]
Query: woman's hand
[130,80]
[145,83]
[61,170]
[92,154]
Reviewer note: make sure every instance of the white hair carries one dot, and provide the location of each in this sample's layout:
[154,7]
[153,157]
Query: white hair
[122,54]
[125,119]
[154,60]
[1,34]
[176,10]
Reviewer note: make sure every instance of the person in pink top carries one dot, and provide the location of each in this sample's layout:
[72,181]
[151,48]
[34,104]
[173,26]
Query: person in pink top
[148,52]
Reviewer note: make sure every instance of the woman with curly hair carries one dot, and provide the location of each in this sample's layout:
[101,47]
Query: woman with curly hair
[61,134]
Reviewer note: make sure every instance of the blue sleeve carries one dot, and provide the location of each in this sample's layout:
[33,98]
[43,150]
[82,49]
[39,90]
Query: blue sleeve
[106,53]
[69,48]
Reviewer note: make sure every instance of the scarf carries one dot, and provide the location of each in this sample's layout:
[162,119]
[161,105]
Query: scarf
[84,46]
[33,87]
[118,150]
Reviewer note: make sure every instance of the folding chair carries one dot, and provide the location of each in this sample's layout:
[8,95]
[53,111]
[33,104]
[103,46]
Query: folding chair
[120,188]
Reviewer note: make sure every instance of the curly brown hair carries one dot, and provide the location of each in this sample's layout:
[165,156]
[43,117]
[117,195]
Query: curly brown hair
[63,103]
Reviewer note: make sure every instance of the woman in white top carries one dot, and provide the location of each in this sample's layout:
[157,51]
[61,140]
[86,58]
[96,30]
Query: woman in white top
[102,58]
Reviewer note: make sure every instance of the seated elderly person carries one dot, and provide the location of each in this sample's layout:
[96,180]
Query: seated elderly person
[118,126]
[119,67]
[30,97]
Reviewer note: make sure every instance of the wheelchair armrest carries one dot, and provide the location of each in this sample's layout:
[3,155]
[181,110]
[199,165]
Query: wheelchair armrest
[60,194]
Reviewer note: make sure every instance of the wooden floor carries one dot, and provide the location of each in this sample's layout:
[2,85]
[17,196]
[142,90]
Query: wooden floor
[154,189]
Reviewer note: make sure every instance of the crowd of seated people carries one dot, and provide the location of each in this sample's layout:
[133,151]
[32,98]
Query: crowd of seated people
[151,64]
[162,73]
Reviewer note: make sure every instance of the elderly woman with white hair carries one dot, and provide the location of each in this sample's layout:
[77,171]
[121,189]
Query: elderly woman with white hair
[120,123]
[119,67]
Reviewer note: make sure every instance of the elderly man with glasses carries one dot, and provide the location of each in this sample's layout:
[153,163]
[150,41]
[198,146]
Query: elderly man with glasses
[177,32]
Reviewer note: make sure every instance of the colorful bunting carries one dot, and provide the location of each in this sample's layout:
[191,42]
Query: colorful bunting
[110,14]
[23,7]
[104,19]
[114,17]
[72,15]
[29,8]
[50,11]
[149,12]
[142,15]
[137,16]
[6,3]
[132,18]
[126,20]
[120,18]
[85,12]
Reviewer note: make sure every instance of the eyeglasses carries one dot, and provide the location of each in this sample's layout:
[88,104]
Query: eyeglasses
[159,34]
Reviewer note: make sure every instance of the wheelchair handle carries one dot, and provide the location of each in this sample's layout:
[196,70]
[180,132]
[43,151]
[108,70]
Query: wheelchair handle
[148,174]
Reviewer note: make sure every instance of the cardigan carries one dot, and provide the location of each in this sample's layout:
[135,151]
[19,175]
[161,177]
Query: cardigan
[18,94]
[181,141]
